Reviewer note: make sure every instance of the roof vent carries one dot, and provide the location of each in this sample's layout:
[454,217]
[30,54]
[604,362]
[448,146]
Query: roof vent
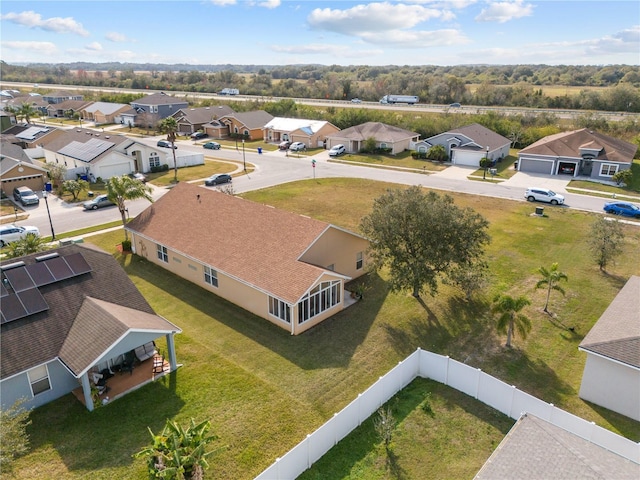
[9,266]
[49,256]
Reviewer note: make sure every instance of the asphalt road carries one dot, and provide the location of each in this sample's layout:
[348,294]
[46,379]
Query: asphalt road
[275,168]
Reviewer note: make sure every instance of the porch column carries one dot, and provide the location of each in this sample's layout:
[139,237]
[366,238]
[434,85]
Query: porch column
[86,390]
[172,351]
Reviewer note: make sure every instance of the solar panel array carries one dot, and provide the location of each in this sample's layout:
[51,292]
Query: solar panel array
[31,132]
[86,151]
[20,296]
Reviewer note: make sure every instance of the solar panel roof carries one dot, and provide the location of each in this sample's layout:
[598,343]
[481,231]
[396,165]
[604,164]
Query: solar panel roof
[86,151]
[31,132]
[77,263]
[19,279]
[12,308]
[3,290]
[40,274]
[59,268]
[33,301]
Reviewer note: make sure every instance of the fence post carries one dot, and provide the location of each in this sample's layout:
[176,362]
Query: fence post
[478,382]
[513,394]
[446,372]
[359,409]
[308,451]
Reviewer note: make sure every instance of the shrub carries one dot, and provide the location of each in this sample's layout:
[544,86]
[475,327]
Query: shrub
[126,245]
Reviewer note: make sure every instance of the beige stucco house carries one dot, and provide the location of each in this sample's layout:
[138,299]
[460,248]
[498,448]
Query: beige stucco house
[386,136]
[286,268]
[313,133]
[611,376]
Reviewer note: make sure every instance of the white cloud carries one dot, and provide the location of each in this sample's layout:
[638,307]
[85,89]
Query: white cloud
[502,12]
[32,19]
[269,4]
[116,37]
[42,48]
[621,42]
[310,49]
[223,3]
[94,46]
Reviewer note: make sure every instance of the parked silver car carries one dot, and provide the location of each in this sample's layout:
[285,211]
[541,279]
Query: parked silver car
[98,202]
[543,195]
[12,233]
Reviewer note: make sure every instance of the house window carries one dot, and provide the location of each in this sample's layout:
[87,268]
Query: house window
[608,170]
[154,159]
[210,276]
[39,380]
[279,309]
[359,260]
[322,297]
[163,255]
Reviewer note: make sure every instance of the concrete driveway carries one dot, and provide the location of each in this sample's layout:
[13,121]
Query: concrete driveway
[552,182]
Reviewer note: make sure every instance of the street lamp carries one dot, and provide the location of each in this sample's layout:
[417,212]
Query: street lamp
[486,161]
[244,160]
[45,194]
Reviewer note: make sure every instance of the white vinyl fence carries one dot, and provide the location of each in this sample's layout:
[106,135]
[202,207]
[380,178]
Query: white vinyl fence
[472,381]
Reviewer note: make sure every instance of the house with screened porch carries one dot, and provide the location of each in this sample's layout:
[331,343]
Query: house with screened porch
[287,268]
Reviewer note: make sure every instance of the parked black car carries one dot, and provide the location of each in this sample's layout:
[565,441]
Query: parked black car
[217,179]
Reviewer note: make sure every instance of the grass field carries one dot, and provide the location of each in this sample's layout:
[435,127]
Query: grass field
[264,390]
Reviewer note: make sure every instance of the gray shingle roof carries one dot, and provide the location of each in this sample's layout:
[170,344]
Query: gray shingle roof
[159,99]
[380,131]
[616,334]
[482,136]
[252,120]
[203,114]
[535,449]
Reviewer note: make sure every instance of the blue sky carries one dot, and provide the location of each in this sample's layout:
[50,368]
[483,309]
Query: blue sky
[285,32]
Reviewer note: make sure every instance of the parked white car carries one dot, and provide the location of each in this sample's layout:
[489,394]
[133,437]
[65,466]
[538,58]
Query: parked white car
[12,233]
[297,146]
[544,195]
[337,150]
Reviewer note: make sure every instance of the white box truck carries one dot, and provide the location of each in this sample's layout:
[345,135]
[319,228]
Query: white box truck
[391,99]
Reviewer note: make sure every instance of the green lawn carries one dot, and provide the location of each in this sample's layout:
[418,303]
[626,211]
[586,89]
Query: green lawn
[265,390]
[403,159]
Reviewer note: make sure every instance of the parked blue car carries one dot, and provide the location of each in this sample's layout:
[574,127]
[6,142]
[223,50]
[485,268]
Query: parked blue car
[622,208]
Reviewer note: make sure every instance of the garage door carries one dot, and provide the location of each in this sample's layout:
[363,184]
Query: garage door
[108,171]
[466,158]
[536,166]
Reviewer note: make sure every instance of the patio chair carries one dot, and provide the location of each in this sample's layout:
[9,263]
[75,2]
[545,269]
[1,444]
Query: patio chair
[128,362]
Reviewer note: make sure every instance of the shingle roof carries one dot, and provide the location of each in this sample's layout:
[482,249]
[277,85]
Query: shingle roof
[69,105]
[252,120]
[38,338]
[105,108]
[203,114]
[254,243]
[159,99]
[535,449]
[617,333]
[380,131]
[291,124]
[482,136]
[84,135]
[568,144]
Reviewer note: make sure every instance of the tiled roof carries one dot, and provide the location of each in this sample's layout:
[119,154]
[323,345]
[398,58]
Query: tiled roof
[380,131]
[38,338]
[568,144]
[252,120]
[537,450]
[98,326]
[482,136]
[255,243]
[617,333]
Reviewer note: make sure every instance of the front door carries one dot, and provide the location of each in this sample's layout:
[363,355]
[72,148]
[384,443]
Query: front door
[585,167]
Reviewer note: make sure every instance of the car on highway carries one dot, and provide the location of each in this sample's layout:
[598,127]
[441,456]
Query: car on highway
[25,196]
[98,202]
[217,179]
[356,100]
[211,145]
[165,144]
[543,195]
[297,146]
[337,150]
[12,233]
[626,209]
[455,105]
[198,135]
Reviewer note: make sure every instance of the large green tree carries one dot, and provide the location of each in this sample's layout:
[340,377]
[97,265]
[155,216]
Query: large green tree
[510,319]
[75,187]
[169,126]
[422,237]
[605,241]
[123,188]
[550,279]
[178,453]
[14,440]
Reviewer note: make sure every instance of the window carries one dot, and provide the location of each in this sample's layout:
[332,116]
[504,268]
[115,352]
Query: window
[210,276]
[359,261]
[163,255]
[154,159]
[279,309]
[608,170]
[322,297]
[39,379]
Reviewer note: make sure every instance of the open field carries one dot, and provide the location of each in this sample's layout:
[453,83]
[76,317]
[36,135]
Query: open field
[264,390]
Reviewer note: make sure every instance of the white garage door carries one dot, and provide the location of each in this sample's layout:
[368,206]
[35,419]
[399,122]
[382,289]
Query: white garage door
[466,158]
[108,171]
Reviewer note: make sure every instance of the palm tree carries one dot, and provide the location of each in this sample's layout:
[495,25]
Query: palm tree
[510,320]
[178,453]
[170,126]
[550,279]
[31,243]
[122,188]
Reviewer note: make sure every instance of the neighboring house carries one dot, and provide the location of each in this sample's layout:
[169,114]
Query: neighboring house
[537,449]
[66,314]
[104,112]
[90,153]
[36,102]
[286,268]
[150,109]
[247,124]
[611,376]
[578,153]
[468,145]
[59,97]
[191,120]
[386,136]
[67,109]
[313,133]
[18,170]
[31,136]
